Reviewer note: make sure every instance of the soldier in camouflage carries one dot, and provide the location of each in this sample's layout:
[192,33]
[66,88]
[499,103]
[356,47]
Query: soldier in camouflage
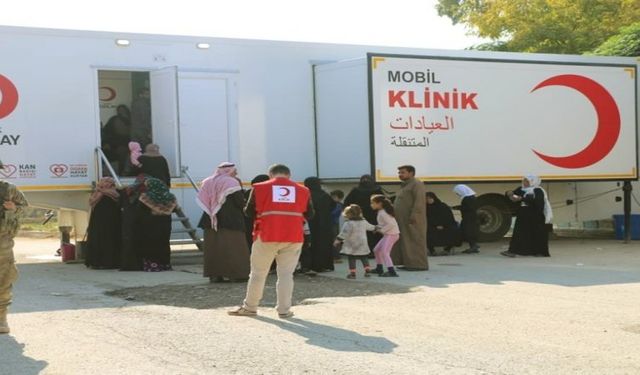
[13,203]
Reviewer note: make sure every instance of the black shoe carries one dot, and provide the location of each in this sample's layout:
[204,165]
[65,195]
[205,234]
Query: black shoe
[388,274]
[508,254]
[378,270]
[473,250]
[351,276]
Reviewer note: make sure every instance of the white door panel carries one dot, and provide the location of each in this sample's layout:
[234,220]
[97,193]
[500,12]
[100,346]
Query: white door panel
[206,116]
[164,115]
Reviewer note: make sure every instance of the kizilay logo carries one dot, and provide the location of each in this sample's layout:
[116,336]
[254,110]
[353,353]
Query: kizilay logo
[8,102]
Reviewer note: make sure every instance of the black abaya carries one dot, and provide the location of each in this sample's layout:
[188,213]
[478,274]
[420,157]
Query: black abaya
[104,236]
[530,234]
[152,235]
[442,228]
[469,224]
[321,250]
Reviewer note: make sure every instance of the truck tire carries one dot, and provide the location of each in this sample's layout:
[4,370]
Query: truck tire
[494,217]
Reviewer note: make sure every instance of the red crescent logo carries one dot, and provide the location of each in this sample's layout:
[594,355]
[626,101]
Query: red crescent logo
[110,94]
[286,193]
[608,129]
[9,94]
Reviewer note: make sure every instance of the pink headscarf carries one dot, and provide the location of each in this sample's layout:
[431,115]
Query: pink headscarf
[215,189]
[135,151]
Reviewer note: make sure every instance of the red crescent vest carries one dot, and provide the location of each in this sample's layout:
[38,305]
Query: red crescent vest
[280,207]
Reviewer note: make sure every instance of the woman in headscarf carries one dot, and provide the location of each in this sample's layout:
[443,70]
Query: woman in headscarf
[361,195]
[153,164]
[153,206]
[226,253]
[530,233]
[442,229]
[319,257]
[104,232]
[469,225]
[249,221]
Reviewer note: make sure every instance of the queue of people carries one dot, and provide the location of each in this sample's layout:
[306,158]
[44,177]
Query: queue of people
[139,239]
[279,225]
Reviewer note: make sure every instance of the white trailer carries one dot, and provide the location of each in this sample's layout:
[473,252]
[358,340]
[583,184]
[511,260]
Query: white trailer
[486,120]
[212,100]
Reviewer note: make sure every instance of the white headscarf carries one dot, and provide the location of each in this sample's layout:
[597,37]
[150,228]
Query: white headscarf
[463,191]
[535,183]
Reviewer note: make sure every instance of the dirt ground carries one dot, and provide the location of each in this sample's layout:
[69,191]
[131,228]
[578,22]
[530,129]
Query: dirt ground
[213,296]
[574,313]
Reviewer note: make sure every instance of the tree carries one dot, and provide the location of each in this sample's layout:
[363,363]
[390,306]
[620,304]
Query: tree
[625,43]
[552,26]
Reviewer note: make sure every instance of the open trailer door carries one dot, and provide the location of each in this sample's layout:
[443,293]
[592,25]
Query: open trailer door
[164,115]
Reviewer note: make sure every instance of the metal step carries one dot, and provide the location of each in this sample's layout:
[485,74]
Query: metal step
[183,230]
[184,242]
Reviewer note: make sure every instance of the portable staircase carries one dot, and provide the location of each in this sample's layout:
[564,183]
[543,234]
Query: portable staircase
[177,215]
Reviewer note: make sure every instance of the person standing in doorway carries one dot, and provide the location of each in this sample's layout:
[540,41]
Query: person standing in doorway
[468,208]
[279,207]
[13,203]
[141,118]
[410,206]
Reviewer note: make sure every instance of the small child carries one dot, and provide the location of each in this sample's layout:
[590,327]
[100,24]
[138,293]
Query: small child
[336,222]
[135,151]
[388,226]
[353,238]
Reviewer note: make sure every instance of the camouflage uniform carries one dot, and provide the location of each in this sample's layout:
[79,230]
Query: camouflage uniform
[9,226]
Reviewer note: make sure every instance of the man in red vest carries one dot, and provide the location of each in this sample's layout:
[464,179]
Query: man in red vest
[279,207]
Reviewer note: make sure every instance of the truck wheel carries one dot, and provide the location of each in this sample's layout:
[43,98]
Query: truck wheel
[494,217]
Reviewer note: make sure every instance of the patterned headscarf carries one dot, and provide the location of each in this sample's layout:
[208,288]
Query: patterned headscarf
[153,193]
[216,189]
[105,187]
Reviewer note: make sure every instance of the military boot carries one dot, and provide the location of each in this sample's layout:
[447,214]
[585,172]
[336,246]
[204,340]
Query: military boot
[4,326]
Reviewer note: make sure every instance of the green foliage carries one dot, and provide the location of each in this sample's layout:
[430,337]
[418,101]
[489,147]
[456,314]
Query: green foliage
[551,26]
[625,43]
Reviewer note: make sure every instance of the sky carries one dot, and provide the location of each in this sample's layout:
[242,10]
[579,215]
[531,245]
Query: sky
[402,23]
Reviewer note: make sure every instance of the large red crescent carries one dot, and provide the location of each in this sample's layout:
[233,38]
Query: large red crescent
[608,129]
[9,100]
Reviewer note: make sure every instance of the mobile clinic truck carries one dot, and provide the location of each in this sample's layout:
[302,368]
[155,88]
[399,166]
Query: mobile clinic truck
[485,120]
[456,115]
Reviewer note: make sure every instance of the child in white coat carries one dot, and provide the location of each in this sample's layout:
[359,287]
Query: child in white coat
[353,239]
